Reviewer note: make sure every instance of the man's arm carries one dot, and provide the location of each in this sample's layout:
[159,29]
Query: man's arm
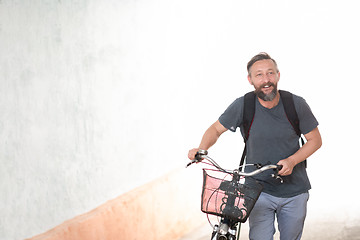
[313,143]
[210,137]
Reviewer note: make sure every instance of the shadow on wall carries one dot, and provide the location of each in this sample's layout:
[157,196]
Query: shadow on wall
[166,208]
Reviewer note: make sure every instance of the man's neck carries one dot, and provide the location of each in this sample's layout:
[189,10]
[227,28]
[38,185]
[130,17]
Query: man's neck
[272,103]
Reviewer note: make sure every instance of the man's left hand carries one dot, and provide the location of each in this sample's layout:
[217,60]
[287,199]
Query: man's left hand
[288,166]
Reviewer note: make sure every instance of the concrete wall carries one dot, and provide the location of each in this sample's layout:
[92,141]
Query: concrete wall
[100,97]
[88,109]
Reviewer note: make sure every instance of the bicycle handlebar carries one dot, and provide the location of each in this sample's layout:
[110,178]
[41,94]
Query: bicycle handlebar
[200,156]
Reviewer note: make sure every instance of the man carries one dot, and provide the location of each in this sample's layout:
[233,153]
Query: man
[272,140]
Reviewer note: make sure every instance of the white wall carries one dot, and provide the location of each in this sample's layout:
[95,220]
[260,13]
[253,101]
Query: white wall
[98,97]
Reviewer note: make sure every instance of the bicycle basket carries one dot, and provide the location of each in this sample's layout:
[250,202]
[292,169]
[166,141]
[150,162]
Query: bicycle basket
[224,198]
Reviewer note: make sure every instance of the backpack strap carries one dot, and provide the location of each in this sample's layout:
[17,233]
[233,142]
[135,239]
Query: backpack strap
[290,111]
[248,114]
[248,118]
[291,114]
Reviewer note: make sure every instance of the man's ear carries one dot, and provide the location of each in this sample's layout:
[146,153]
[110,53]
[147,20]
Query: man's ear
[249,79]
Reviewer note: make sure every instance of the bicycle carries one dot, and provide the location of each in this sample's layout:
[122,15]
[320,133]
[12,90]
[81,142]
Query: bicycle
[230,195]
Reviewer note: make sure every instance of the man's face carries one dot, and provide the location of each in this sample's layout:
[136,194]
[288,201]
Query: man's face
[264,76]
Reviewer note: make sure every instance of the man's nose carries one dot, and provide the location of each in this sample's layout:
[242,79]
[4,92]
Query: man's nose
[266,79]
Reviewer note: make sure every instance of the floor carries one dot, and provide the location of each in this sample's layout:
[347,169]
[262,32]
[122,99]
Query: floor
[314,230]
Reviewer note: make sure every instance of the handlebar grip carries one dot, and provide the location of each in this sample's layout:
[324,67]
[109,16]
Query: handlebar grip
[200,153]
[279,167]
[198,157]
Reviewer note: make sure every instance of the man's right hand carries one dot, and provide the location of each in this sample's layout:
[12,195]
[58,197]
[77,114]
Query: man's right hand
[192,153]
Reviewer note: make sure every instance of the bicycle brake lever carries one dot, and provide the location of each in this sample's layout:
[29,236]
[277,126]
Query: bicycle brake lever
[280,178]
[277,176]
[192,161]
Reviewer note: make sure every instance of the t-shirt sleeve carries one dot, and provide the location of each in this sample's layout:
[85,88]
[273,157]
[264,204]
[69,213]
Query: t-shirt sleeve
[232,117]
[307,119]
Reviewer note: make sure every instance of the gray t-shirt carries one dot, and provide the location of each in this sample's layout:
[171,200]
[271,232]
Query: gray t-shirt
[271,139]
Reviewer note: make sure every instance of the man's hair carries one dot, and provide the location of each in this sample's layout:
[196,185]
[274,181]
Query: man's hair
[258,57]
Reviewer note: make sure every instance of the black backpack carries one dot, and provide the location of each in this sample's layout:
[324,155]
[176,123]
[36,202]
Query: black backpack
[249,113]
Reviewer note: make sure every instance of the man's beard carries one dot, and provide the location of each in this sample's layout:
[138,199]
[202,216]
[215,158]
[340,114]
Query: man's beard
[266,97]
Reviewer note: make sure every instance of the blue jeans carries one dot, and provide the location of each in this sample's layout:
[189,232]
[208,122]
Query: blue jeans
[290,213]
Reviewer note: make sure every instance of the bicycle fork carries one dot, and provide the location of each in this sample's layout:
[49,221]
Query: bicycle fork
[225,231]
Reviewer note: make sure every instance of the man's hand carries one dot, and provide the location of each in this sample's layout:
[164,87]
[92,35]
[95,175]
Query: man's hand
[192,153]
[288,166]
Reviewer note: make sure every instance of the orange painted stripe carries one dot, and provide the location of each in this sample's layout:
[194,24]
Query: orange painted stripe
[166,208]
